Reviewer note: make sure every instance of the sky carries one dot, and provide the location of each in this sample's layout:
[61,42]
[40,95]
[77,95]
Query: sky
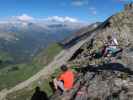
[83,10]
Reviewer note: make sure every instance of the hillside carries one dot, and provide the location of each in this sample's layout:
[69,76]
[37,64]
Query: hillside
[13,74]
[5,59]
[17,73]
[103,78]
[99,79]
[41,78]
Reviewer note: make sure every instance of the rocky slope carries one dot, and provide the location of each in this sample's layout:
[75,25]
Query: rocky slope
[101,79]
[58,61]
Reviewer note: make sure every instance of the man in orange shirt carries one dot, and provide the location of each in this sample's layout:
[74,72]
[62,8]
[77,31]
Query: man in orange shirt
[65,80]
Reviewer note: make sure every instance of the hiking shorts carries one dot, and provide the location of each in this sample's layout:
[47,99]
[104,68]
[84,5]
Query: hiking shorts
[60,84]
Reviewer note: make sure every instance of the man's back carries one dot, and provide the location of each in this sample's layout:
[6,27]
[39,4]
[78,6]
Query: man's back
[68,79]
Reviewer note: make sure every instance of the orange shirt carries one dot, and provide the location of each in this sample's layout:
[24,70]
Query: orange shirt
[68,78]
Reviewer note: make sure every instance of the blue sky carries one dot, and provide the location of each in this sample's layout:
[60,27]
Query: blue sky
[85,10]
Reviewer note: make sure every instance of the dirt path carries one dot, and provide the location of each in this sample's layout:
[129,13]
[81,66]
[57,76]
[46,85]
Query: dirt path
[59,60]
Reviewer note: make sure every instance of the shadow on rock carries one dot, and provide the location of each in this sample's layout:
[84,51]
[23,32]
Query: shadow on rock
[109,66]
[39,95]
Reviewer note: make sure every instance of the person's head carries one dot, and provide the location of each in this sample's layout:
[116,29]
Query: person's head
[109,37]
[92,40]
[37,89]
[64,68]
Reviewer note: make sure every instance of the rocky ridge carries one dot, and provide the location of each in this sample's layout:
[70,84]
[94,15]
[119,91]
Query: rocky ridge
[100,79]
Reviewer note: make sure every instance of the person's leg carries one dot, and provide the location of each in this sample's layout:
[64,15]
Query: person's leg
[55,84]
[58,84]
[106,51]
[119,50]
[115,51]
[103,51]
[61,85]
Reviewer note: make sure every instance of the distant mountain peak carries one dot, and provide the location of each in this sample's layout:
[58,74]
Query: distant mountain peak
[21,33]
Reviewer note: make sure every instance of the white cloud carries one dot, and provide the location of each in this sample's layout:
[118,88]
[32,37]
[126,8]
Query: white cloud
[125,0]
[79,3]
[61,19]
[25,17]
[93,10]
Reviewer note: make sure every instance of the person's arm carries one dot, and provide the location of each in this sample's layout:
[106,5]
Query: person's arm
[60,77]
[113,43]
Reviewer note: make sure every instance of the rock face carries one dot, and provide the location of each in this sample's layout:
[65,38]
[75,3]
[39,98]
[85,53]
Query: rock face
[120,26]
[79,35]
[101,79]
[107,82]
[129,7]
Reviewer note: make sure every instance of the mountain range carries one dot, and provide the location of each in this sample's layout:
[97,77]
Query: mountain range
[22,38]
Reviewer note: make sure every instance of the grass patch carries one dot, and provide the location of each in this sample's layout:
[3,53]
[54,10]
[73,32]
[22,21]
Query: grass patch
[14,74]
[26,94]
[48,54]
